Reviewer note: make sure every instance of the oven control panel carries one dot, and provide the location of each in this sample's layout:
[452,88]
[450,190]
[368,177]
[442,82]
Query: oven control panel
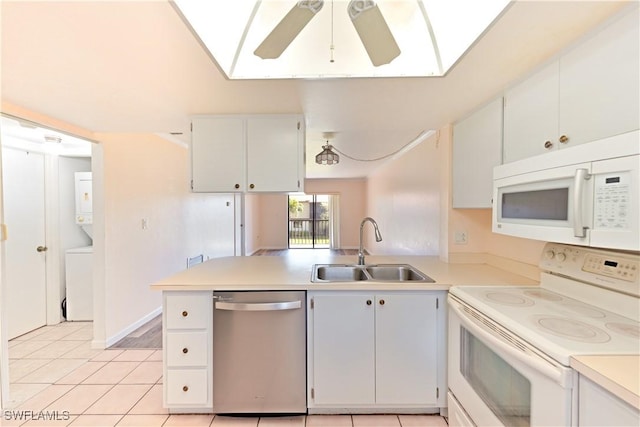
[611,266]
[612,269]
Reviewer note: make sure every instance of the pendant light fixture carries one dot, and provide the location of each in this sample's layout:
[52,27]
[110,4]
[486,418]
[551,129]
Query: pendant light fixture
[327,156]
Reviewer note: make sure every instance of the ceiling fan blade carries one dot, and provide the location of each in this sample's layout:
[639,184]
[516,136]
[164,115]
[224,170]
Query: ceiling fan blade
[288,29]
[373,31]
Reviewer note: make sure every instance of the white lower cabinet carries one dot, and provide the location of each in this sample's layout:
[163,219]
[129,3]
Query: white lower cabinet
[376,350]
[188,344]
[598,407]
[187,387]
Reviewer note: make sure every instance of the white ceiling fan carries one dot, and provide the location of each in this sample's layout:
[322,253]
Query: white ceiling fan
[365,15]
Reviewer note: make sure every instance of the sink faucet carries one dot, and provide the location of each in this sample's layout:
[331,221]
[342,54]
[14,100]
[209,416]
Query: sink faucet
[378,238]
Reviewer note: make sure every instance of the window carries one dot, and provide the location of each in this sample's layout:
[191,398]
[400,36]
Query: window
[309,221]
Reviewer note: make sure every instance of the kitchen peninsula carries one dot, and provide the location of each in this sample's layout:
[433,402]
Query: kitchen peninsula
[384,341]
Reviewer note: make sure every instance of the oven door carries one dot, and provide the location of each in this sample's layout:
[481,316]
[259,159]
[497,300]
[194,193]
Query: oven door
[501,380]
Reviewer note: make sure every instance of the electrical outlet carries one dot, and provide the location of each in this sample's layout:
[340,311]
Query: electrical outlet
[460,237]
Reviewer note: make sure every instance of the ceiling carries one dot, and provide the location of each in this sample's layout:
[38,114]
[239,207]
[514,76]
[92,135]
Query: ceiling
[27,135]
[338,38]
[135,66]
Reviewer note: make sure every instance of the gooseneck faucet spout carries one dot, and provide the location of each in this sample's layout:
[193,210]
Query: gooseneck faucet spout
[378,238]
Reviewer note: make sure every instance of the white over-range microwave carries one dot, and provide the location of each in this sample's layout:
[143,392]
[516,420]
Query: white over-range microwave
[585,195]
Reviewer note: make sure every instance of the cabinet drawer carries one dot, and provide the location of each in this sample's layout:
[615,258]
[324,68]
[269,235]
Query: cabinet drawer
[186,348]
[188,311]
[186,387]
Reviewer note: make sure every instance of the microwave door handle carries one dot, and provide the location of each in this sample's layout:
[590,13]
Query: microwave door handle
[581,176]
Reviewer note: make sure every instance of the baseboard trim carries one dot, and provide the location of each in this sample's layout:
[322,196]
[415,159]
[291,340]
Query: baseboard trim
[132,327]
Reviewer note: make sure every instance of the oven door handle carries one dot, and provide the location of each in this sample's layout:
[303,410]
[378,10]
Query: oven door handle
[559,374]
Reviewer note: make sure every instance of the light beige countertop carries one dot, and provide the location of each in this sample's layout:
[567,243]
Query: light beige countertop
[618,374]
[294,272]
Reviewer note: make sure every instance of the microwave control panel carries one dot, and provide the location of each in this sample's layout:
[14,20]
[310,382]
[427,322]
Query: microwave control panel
[612,201]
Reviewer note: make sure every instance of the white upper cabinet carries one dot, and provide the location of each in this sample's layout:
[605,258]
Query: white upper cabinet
[531,115]
[217,154]
[275,160]
[247,153]
[477,149]
[589,93]
[600,84]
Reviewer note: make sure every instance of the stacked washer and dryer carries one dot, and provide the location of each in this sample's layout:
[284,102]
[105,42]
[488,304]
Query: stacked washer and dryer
[78,261]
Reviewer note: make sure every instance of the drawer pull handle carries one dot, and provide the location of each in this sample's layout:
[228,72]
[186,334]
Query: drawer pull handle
[381,302]
[185,313]
[548,144]
[185,350]
[185,388]
[368,302]
[563,139]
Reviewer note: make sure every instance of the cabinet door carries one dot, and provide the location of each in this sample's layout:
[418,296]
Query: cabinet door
[531,115]
[598,407]
[406,349]
[477,149]
[217,154]
[599,84]
[343,350]
[274,153]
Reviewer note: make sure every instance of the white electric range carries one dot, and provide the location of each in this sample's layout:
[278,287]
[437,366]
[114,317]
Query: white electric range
[510,347]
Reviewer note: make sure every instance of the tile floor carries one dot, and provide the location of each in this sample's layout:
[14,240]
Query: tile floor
[56,375]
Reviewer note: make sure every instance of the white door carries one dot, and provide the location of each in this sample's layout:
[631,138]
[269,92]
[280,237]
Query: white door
[25,253]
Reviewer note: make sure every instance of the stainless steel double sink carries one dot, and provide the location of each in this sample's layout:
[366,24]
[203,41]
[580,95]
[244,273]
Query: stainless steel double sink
[326,273]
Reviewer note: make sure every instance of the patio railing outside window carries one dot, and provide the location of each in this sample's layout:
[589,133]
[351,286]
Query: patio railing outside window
[301,232]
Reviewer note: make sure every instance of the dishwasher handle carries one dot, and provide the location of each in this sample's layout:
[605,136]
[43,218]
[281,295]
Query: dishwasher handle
[261,306]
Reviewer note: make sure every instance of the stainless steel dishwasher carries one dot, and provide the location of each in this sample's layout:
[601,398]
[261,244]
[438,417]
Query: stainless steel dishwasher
[259,352]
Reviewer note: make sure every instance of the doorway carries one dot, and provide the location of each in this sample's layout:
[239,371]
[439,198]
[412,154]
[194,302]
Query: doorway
[310,221]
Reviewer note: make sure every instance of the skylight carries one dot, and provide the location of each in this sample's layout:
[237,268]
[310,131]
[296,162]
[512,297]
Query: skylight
[338,38]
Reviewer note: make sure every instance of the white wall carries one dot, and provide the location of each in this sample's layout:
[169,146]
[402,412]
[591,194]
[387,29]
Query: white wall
[410,198]
[274,221]
[144,179]
[266,215]
[482,244]
[403,196]
[251,224]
